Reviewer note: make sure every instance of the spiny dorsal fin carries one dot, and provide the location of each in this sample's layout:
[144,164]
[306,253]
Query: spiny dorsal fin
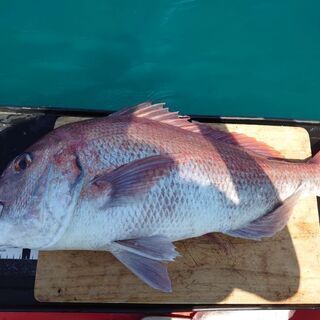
[158,112]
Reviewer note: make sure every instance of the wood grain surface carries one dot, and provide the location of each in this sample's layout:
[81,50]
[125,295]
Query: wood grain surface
[213,269]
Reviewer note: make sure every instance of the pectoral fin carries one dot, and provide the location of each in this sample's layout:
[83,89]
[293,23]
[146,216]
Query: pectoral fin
[131,180]
[146,258]
[270,223]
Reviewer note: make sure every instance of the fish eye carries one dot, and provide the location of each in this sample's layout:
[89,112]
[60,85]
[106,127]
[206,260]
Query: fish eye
[22,162]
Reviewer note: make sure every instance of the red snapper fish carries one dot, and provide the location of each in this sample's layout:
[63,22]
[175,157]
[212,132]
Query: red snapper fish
[136,181]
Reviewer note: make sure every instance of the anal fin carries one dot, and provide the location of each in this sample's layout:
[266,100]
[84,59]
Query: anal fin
[270,223]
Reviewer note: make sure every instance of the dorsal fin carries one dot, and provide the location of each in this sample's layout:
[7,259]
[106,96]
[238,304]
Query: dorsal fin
[240,140]
[256,146]
[158,112]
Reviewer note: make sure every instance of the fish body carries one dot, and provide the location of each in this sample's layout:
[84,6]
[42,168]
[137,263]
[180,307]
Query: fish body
[200,194]
[138,180]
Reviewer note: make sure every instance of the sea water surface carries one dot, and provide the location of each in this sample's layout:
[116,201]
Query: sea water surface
[215,57]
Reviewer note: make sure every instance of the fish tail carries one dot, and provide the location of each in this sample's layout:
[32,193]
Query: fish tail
[315,172]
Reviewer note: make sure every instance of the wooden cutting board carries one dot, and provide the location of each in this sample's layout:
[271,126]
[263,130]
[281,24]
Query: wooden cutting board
[284,269]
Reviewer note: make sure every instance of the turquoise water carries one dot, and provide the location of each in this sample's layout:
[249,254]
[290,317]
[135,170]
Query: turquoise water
[230,58]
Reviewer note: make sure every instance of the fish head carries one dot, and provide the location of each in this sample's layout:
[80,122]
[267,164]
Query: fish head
[37,191]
